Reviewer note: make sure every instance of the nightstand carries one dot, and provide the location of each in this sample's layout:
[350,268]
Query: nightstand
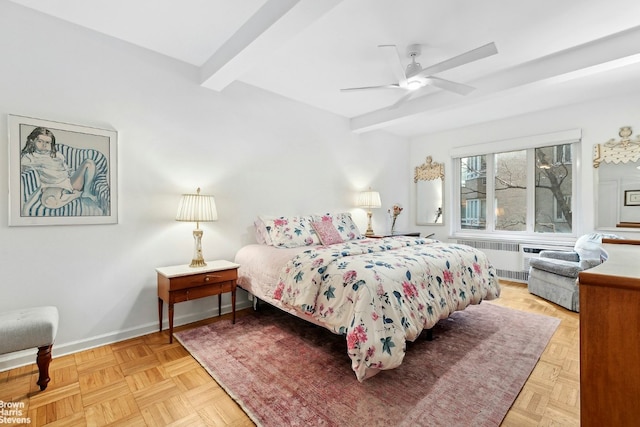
[183,283]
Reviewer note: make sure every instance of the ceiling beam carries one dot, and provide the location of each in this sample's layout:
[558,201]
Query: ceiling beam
[276,22]
[605,54]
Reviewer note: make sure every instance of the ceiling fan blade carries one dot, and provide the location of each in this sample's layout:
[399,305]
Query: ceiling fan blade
[464,58]
[352,89]
[393,57]
[459,88]
[402,100]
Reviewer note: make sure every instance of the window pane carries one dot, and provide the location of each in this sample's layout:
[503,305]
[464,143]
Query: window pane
[553,189]
[511,191]
[473,192]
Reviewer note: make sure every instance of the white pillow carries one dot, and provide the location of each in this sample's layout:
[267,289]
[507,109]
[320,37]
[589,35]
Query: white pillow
[262,235]
[290,232]
[589,246]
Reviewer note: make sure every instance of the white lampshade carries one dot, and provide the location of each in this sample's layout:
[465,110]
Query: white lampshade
[369,199]
[197,208]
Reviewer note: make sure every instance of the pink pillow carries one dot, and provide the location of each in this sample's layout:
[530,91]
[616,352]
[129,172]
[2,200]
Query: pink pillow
[343,223]
[327,232]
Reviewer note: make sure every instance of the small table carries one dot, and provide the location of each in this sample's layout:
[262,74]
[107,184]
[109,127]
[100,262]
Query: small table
[183,283]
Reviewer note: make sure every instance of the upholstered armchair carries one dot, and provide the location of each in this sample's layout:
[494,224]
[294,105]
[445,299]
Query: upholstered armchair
[554,274]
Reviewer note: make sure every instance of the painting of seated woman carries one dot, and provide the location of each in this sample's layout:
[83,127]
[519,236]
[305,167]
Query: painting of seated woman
[64,175]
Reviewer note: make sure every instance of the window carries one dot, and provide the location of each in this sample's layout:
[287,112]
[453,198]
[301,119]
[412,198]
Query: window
[562,154]
[475,167]
[510,191]
[526,190]
[553,189]
[472,217]
[473,192]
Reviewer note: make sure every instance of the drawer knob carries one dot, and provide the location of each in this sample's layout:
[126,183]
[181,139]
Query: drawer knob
[206,279]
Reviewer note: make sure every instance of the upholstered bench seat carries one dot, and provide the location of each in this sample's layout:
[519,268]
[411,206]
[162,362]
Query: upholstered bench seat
[30,328]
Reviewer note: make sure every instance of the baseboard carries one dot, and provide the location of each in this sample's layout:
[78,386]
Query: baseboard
[27,357]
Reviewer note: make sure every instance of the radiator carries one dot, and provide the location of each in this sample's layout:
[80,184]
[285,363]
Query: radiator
[511,259]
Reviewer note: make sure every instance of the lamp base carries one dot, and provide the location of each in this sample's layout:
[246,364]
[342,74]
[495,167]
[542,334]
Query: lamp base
[369,231]
[198,260]
[197,263]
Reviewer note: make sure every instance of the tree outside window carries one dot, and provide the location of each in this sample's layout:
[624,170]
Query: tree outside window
[509,186]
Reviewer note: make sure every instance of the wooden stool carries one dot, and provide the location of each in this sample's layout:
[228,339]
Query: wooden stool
[30,328]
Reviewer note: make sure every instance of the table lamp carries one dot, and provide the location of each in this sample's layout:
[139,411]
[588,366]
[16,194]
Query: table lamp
[197,208]
[369,199]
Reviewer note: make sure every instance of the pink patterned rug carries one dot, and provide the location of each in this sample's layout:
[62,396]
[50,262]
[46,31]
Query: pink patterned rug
[284,371]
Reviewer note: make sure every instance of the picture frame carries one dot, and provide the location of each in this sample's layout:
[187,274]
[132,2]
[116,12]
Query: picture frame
[61,173]
[632,198]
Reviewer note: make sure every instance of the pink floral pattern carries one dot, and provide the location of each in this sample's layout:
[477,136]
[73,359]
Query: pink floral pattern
[343,222]
[380,293]
[296,231]
[289,232]
[327,232]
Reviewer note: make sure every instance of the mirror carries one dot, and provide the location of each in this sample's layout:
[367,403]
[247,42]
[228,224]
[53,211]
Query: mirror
[429,180]
[618,180]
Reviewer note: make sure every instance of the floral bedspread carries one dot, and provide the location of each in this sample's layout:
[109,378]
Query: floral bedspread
[380,293]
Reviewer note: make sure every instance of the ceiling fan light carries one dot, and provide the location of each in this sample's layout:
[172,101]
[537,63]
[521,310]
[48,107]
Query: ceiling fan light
[414,84]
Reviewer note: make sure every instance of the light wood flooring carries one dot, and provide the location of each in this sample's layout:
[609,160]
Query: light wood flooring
[147,382]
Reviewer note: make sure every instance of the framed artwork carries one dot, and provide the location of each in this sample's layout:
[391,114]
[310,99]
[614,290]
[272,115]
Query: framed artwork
[632,198]
[61,174]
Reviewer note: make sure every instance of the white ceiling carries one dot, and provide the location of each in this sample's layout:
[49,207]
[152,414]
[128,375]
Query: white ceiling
[551,52]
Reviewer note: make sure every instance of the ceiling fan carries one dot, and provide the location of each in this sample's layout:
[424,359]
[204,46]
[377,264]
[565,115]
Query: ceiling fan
[414,77]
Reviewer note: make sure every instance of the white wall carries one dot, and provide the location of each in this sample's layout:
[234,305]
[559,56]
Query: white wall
[256,152]
[599,120]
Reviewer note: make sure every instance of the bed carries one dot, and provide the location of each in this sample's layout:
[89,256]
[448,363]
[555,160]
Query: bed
[378,293]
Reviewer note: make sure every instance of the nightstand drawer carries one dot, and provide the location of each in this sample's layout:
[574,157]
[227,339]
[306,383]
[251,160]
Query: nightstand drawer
[203,279]
[201,291]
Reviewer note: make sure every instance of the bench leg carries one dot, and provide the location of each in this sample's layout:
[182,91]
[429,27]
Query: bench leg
[44,359]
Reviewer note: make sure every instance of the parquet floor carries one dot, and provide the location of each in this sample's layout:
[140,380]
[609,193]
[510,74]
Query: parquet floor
[147,382]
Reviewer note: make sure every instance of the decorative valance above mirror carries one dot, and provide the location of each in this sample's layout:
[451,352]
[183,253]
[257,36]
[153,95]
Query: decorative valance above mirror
[612,151]
[617,166]
[429,179]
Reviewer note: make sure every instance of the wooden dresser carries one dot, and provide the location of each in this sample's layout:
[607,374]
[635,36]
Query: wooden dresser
[610,338]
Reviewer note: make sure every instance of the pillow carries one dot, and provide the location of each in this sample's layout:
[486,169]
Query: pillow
[589,246]
[327,232]
[262,235]
[343,222]
[290,232]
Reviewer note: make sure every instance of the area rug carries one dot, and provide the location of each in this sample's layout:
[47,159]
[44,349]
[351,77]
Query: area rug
[284,371]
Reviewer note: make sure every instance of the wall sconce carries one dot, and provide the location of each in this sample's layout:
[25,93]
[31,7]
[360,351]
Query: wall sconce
[197,208]
[369,199]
